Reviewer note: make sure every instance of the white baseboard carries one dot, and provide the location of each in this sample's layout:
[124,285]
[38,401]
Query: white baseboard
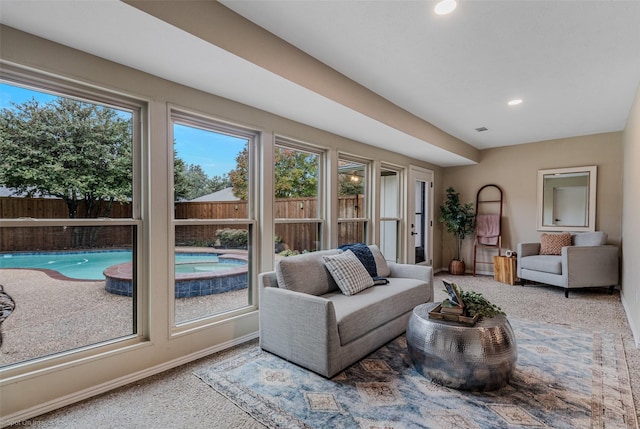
[445,269]
[634,331]
[118,382]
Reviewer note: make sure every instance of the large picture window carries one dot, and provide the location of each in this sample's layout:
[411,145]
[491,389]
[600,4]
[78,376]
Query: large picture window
[213,217]
[390,199]
[353,214]
[69,202]
[298,206]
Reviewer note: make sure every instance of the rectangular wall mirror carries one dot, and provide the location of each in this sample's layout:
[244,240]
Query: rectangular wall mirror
[567,199]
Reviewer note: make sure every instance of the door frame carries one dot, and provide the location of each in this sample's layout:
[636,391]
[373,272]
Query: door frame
[419,174]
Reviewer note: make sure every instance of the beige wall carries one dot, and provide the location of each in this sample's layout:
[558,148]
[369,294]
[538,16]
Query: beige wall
[630,224]
[514,169]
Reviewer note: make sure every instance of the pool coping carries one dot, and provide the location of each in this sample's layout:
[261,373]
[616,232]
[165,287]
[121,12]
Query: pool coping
[124,271]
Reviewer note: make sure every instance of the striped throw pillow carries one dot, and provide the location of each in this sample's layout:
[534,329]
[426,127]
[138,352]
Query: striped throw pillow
[348,272]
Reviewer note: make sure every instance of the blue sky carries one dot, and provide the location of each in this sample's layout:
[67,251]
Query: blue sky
[215,153]
[9,93]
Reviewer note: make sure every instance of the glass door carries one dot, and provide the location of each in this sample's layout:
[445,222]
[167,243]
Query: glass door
[420,209]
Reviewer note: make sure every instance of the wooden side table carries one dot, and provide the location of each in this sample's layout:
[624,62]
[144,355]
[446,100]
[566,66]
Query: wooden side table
[505,269]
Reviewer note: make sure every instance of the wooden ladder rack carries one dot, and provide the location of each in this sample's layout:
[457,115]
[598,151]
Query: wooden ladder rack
[488,202]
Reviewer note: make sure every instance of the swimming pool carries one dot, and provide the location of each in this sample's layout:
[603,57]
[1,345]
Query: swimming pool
[90,265]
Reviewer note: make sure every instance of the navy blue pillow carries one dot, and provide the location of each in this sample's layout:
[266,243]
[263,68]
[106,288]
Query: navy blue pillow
[365,256]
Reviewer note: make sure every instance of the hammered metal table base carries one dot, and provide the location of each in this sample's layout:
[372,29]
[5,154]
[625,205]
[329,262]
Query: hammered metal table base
[481,357]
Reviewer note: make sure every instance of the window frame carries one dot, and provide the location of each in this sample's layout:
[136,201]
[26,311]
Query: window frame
[189,118]
[400,173]
[320,219]
[67,88]
[367,192]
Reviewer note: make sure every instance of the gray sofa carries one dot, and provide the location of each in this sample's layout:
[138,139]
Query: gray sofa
[588,262]
[305,318]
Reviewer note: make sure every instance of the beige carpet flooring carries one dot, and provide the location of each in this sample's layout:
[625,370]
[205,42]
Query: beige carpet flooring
[177,399]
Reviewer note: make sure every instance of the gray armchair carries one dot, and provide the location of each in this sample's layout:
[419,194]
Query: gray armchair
[588,262]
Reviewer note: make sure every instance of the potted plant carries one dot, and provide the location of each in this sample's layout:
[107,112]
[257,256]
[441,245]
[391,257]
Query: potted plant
[460,221]
[469,306]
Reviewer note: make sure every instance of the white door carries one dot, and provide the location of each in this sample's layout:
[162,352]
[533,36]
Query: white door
[420,216]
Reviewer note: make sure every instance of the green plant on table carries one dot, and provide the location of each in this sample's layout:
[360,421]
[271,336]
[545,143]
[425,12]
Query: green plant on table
[475,303]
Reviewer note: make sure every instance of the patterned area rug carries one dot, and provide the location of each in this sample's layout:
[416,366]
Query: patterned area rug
[564,379]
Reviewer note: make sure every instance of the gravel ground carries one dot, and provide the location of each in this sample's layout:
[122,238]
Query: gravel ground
[47,321]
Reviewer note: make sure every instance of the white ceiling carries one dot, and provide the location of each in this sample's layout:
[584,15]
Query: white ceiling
[576,64]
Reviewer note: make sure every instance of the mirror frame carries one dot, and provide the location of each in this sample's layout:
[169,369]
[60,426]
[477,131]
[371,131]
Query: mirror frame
[591,218]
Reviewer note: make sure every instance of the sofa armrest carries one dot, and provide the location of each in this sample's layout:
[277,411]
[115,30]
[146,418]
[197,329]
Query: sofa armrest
[528,249]
[524,250]
[299,327]
[418,272]
[590,265]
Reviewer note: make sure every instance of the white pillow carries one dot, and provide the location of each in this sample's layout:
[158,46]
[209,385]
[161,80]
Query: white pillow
[348,272]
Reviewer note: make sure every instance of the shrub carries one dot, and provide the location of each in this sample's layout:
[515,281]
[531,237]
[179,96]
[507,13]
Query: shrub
[289,252]
[233,238]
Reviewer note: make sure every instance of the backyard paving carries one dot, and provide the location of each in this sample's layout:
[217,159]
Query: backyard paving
[55,315]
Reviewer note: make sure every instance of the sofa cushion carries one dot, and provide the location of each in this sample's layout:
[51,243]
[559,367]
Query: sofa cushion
[545,263]
[306,273]
[381,264]
[365,256]
[348,272]
[552,244]
[358,314]
[590,238]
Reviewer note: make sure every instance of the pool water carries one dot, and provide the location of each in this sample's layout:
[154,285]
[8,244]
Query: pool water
[90,265]
[190,267]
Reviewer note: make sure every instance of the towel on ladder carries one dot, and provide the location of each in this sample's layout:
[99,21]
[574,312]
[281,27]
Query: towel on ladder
[488,229]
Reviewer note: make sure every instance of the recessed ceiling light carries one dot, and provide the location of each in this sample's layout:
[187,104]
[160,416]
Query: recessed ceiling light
[445,6]
[515,102]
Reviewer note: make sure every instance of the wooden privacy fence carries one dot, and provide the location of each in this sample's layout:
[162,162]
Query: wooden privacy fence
[299,236]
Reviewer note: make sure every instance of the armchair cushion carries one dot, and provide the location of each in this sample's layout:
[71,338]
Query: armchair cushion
[597,238]
[544,263]
[552,244]
[348,272]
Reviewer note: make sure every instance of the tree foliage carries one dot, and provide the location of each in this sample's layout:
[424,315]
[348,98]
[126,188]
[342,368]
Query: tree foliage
[296,174]
[347,186]
[239,176]
[68,149]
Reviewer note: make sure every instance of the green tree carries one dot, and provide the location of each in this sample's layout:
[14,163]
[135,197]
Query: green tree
[67,149]
[180,180]
[239,177]
[219,183]
[296,174]
[346,186]
[199,182]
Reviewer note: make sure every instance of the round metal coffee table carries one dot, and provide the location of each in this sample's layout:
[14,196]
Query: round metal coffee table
[480,357]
